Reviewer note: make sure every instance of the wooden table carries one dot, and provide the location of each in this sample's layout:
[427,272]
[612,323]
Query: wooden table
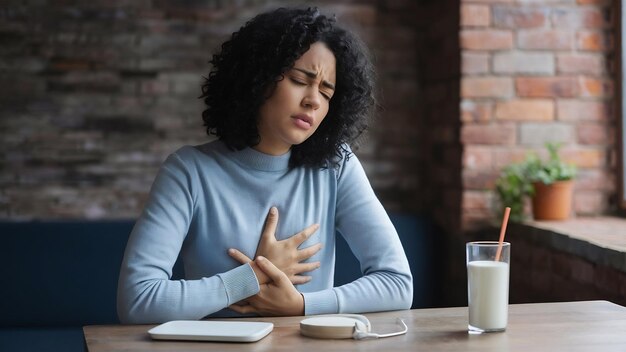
[569,326]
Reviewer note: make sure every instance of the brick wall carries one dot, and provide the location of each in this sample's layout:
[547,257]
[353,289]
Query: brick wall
[532,72]
[555,265]
[390,151]
[94,95]
[541,274]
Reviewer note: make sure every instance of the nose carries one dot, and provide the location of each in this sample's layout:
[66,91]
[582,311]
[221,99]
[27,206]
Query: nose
[311,100]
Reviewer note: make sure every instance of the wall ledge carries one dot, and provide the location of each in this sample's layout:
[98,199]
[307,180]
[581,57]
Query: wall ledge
[600,240]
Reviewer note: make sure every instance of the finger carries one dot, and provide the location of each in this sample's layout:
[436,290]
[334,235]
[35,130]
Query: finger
[304,235]
[300,279]
[271,222]
[238,256]
[272,271]
[306,267]
[308,252]
[243,309]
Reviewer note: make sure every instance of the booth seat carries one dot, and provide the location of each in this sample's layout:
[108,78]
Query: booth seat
[59,276]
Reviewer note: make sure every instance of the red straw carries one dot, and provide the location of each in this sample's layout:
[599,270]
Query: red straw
[505,220]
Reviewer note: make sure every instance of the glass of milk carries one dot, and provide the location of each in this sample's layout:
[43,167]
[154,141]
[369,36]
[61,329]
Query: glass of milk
[487,286]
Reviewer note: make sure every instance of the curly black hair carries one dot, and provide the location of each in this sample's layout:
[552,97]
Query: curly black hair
[255,58]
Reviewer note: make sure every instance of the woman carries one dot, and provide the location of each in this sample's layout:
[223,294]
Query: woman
[286,95]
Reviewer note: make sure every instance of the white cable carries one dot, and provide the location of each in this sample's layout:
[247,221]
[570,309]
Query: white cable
[361,333]
[344,326]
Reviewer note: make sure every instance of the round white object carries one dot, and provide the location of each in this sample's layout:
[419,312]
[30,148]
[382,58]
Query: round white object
[332,327]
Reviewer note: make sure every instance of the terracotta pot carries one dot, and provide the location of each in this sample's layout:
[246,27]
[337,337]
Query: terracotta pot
[552,202]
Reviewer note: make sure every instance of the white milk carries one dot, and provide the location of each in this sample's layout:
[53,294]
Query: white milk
[488,294]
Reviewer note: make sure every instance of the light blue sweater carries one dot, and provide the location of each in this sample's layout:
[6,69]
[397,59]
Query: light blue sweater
[207,199]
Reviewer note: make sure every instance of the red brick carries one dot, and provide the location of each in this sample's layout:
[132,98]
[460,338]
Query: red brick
[585,158]
[473,63]
[545,39]
[594,41]
[498,134]
[477,157]
[519,17]
[487,39]
[479,179]
[546,87]
[524,62]
[583,17]
[594,180]
[486,87]
[476,111]
[537,134]
[525,110]
[580,63]
[475,15]
[578,110]
[592,133]
[596,87]
[476,200]
[506,156]
[593,2]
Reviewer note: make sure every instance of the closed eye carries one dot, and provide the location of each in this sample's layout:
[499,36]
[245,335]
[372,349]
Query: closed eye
[298,82]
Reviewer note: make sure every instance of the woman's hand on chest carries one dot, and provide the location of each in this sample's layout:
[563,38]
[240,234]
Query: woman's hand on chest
[284,254]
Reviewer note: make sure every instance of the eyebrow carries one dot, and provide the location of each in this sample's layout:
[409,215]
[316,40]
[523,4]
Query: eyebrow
[312,74]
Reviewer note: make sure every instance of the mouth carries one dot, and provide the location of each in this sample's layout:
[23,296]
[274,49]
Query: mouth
[304,119]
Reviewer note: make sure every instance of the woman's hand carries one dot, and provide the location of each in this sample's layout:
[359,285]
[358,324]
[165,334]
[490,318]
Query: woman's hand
[278,297]
[284,254]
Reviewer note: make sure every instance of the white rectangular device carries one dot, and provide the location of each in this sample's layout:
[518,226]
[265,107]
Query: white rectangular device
[210,330]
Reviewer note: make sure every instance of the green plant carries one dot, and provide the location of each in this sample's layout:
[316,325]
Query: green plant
[515,183]
[550,171]
[512,188]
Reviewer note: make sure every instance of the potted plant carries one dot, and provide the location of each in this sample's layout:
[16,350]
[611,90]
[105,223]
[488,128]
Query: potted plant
[547,182]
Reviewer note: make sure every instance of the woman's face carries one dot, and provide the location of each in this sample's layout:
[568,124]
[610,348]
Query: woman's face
[299,102]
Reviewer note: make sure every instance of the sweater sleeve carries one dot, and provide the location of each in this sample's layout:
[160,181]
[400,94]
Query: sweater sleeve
[146,293]
[386,283]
